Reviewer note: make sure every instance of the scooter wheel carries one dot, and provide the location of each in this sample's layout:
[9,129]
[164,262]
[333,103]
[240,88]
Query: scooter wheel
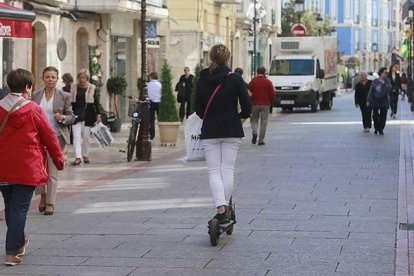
[214,232]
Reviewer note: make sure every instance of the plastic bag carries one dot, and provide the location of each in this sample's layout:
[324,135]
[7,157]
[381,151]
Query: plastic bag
[102,135]
[193,143]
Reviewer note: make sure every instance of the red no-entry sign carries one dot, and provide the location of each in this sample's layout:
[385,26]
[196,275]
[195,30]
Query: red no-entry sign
[298,30]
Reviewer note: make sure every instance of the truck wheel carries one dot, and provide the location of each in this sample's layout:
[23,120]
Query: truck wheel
[314,107]
[327,102]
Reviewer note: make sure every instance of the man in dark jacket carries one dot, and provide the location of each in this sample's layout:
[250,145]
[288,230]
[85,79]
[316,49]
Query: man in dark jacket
[184,90]
[263,93]
[361,93]
[378,100]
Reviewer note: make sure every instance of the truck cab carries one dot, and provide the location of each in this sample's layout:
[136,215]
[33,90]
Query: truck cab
[298,75]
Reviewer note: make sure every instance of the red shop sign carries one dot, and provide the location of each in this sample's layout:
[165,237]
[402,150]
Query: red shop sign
[15,29]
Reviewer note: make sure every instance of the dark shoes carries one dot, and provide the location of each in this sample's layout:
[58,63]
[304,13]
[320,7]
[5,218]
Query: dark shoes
[254,139]
[222,218]
[381,133]
[76,162]
[261,143]
[376,132]
[86,160]
[42,202]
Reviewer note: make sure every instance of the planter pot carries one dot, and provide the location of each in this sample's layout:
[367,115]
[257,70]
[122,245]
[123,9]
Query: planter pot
[169,132]
[115,126]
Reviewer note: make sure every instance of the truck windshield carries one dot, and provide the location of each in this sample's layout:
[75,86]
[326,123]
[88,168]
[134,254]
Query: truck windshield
[292,67]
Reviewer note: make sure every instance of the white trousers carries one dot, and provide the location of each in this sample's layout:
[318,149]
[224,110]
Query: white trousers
[221,154]
[81,135]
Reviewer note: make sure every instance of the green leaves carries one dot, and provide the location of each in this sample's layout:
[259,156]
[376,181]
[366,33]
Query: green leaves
[168,110]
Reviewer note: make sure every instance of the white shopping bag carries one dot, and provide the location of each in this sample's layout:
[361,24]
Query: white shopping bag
[193,143]
[102,135]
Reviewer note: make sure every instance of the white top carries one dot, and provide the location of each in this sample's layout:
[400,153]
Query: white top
[154,91]
[47,107]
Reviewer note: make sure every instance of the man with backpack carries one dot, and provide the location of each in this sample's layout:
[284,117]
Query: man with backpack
[379,101]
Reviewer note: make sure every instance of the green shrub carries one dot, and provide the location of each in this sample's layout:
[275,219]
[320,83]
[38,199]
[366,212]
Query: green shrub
[168,110]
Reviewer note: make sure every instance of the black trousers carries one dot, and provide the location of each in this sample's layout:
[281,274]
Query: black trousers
[366,116]
[379,115]
[394,102]
[184,109]
[154,107]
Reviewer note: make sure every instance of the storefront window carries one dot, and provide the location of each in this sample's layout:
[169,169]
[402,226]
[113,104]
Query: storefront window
[119,52]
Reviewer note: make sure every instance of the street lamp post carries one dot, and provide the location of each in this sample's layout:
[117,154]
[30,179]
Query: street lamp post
[375,51]
[319,23]
[255,21]
[299,7]
[143,148]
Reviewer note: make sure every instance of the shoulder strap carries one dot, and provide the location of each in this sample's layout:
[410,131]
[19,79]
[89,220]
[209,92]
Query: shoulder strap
[212,96]
[3,124]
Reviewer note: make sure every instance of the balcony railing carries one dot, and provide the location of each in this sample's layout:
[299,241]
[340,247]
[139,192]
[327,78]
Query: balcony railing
[228,1]
[157,3]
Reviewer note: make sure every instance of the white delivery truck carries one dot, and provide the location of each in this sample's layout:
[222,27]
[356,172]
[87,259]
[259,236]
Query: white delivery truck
[303,71]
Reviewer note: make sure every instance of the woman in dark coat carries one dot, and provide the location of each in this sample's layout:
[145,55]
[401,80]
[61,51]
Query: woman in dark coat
[361,93]
[222,129]
[395,81]
[378,100]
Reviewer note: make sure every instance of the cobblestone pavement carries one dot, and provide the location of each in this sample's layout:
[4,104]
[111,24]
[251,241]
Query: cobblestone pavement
[320,198]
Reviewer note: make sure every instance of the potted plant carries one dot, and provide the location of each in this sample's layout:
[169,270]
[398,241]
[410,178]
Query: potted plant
[168,119]
[116,86]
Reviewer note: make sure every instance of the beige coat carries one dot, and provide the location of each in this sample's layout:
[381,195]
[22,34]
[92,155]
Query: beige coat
[61,104]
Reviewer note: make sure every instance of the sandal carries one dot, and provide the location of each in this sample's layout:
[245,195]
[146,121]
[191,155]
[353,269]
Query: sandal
[49,210]
[76,162]
[86,160]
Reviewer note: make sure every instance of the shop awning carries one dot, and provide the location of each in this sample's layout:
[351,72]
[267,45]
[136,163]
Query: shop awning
[15,22]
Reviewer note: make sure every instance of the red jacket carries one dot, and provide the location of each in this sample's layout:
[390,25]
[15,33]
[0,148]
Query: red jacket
[262,90]
[23,144]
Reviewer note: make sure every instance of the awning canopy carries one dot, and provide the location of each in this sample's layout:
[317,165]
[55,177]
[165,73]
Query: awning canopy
[15,22]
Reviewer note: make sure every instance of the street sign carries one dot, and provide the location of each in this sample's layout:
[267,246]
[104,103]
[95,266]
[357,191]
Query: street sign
[298,30]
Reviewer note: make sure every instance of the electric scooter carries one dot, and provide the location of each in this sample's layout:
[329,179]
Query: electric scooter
[215,229]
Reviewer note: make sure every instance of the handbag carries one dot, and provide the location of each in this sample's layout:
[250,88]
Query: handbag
[192,133]
[3,124]
[102,135]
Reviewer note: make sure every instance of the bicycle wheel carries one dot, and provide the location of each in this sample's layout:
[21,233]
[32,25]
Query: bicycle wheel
[132,140]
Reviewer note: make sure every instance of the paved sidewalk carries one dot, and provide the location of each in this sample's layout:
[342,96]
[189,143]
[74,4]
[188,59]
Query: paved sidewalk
[321,198]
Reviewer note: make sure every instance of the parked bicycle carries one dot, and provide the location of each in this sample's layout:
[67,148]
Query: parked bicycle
[134,113]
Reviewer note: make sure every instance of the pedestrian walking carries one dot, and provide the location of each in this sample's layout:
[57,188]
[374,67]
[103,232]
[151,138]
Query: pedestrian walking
[58,109]
[85,107]
[262,95]
[68,81]
[24,135]
[217,96]
[154,95]
[184,90]
[395,81]
[378,100]
[361,92]
[403,82]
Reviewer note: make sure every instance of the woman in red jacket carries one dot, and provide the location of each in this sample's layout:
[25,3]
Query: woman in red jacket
[24,139]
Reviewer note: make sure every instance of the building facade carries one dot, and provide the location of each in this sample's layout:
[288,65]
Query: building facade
[72,35]
[368,31]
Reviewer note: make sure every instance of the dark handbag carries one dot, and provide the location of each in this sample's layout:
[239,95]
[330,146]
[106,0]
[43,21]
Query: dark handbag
[181,94]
